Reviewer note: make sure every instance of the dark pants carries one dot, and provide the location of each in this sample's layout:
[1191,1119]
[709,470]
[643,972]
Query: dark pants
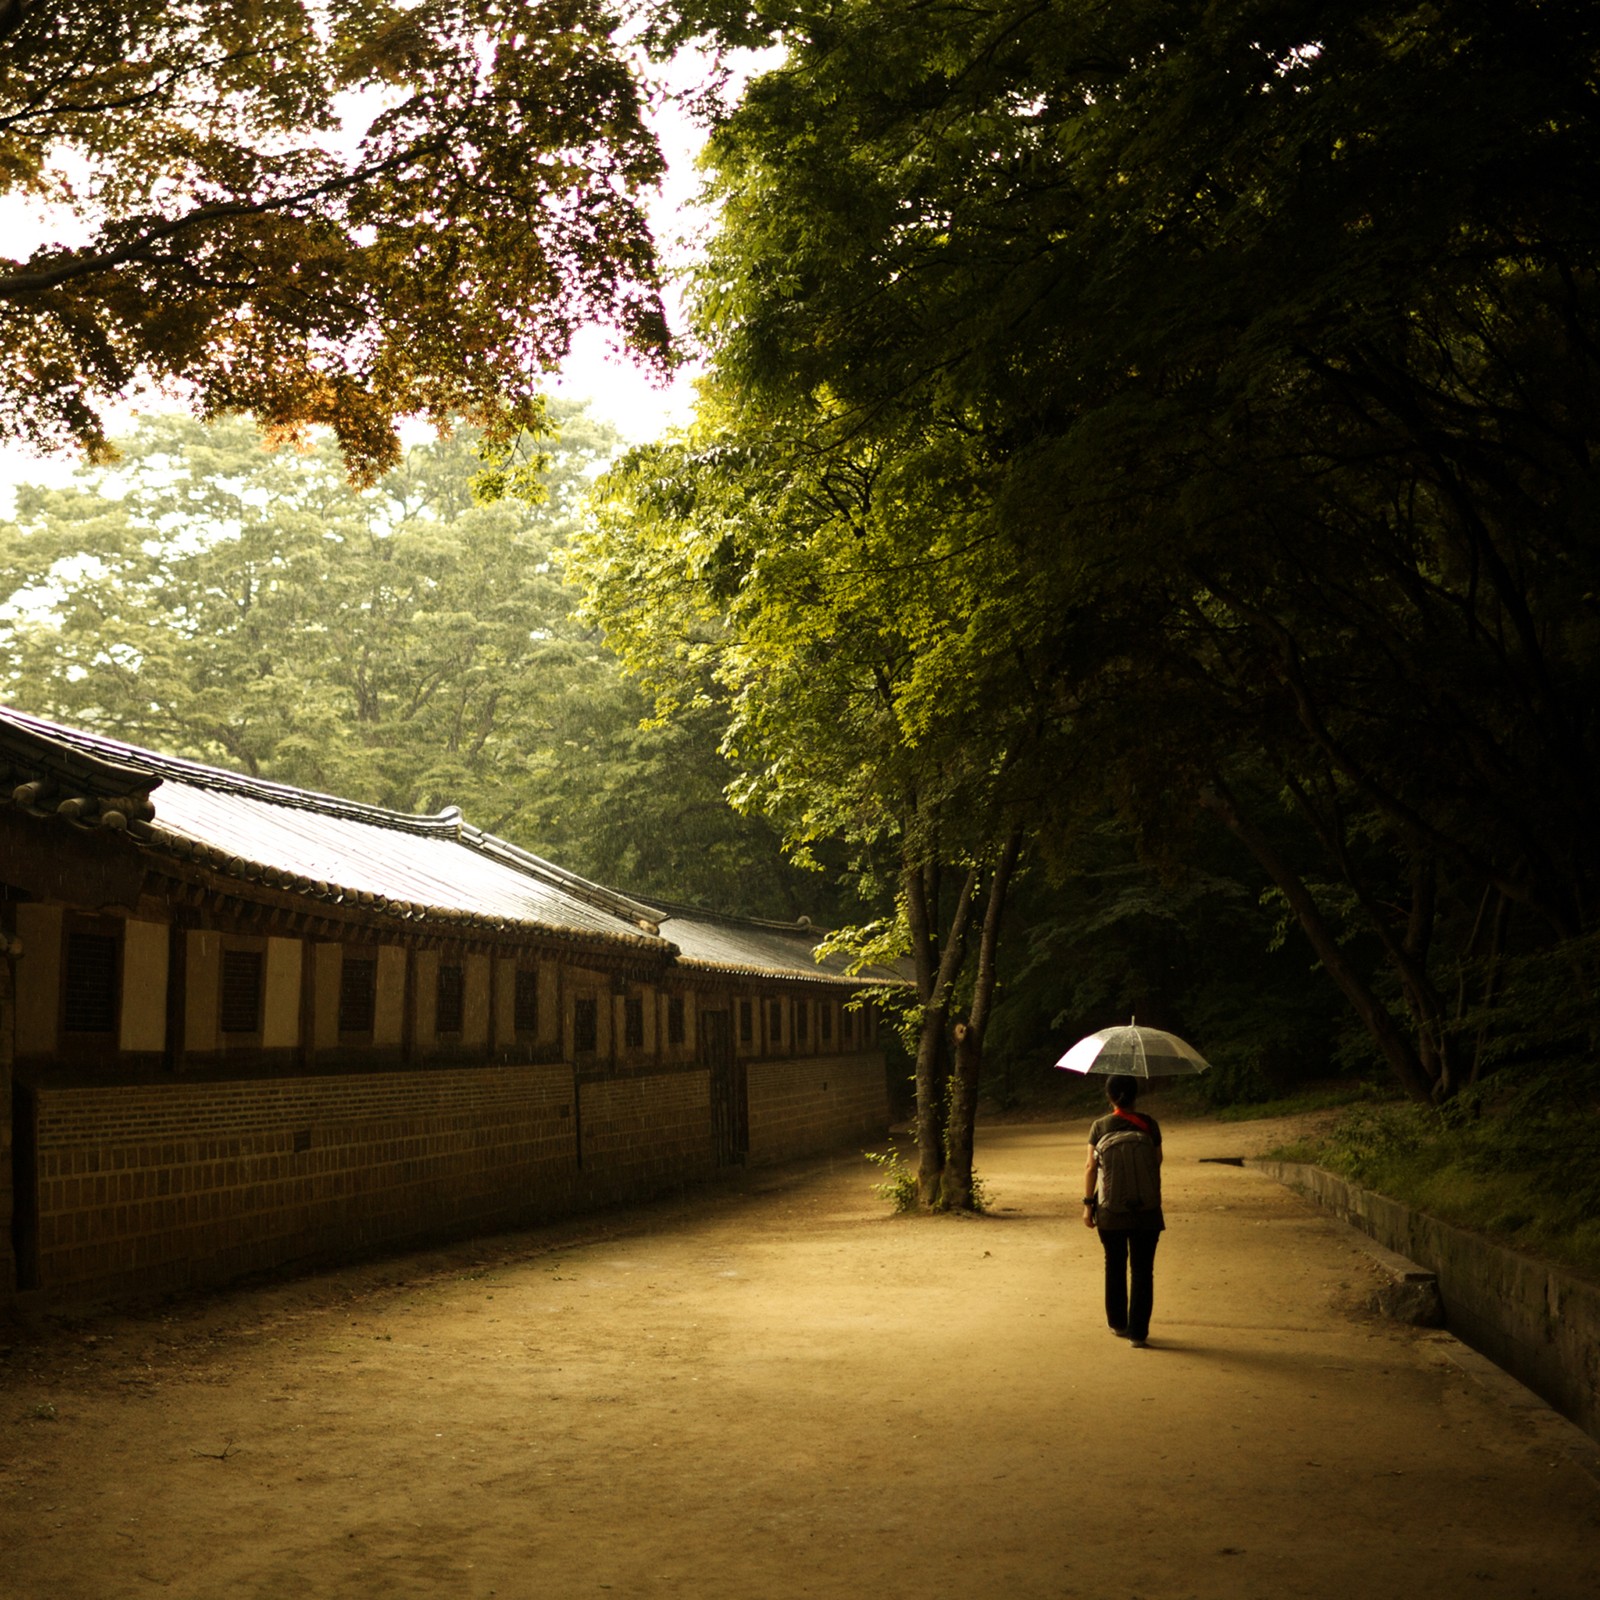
[1127,1248]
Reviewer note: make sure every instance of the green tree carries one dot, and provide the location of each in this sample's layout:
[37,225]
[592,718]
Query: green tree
[210,225]
[737,556]
[405,645]
[1268,335]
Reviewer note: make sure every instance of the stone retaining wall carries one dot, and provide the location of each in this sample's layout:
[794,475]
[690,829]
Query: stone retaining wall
[1541,1325]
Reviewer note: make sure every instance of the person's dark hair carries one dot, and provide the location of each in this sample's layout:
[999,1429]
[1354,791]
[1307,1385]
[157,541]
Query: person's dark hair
[1122,1090]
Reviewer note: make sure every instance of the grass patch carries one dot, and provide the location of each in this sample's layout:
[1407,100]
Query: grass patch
[1327,1097]
[1524,1174]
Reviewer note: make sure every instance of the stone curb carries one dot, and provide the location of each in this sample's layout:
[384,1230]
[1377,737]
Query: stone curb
[1546,1428]
[1536,1325]
[1411,1294]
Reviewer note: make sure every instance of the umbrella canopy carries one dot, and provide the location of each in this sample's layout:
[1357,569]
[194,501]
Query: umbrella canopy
[1134,1051]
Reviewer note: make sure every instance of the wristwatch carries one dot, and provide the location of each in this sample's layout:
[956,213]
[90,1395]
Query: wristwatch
[1089,1200]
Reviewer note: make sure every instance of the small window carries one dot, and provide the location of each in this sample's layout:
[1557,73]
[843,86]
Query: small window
[89,987]
[675,1031]
[633,1022]
[525,1006]
[775,1021]
[449,997]
[585,1031]
[848,1022]
[825,1021]
[802,1021]
[358,994]
[241,991]
[747,1022]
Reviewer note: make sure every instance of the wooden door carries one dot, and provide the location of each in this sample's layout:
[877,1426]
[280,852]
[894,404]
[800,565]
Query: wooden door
[730,1111]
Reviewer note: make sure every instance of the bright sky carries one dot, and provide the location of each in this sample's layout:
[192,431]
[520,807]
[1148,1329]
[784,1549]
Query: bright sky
[616,389]
[638,406]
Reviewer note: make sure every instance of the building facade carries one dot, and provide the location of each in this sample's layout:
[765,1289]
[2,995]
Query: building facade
[247,1027]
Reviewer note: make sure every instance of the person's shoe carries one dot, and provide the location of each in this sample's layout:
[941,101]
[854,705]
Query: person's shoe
[1140,1344]
[1121,1333]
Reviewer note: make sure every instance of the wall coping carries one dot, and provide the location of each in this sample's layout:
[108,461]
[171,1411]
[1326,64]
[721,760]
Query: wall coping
[1539,1323]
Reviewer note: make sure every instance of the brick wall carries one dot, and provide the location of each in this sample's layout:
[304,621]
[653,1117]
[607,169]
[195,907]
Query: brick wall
[798,1107]
[8,1265]
[148,1188]
[646,1134]
[145,1188]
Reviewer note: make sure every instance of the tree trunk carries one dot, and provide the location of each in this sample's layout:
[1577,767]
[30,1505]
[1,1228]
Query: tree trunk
[933,1072]
[938,964]
[921,894]
[1396,1049]
[958,1190]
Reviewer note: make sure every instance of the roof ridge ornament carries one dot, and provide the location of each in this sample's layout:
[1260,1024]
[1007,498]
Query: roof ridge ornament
[612,901]
[135,768]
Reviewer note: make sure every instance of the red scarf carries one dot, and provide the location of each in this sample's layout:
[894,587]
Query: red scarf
[1141,1123]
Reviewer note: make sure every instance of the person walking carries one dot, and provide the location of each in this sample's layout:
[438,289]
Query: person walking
[1122,1202]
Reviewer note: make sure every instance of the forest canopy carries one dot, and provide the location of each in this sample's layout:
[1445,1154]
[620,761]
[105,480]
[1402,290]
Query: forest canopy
[1143,485]
[1172,418]
[405,645]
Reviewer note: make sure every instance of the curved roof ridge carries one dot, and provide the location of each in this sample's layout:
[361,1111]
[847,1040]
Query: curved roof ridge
[46,744]
[442,824]
[667,909]
[580,888]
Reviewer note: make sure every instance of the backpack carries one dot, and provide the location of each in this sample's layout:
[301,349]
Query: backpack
[1130,1176]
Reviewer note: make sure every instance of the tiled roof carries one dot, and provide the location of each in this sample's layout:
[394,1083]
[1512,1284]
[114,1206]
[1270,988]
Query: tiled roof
[436,870]
[728,944]
[431,869]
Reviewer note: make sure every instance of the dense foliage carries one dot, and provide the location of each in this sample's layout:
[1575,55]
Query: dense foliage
[405,645]
[316,211]
[738,556]
[1145,474]
[1196,404]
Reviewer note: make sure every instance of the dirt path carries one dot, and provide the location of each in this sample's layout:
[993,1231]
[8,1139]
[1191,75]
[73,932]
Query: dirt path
[779,1390]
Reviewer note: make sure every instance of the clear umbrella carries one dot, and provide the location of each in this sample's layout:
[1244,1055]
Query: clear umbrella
[1134,1051]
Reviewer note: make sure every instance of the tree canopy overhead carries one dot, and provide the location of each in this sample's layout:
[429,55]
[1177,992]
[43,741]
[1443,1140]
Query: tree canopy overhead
[1232,371]
[215,225]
